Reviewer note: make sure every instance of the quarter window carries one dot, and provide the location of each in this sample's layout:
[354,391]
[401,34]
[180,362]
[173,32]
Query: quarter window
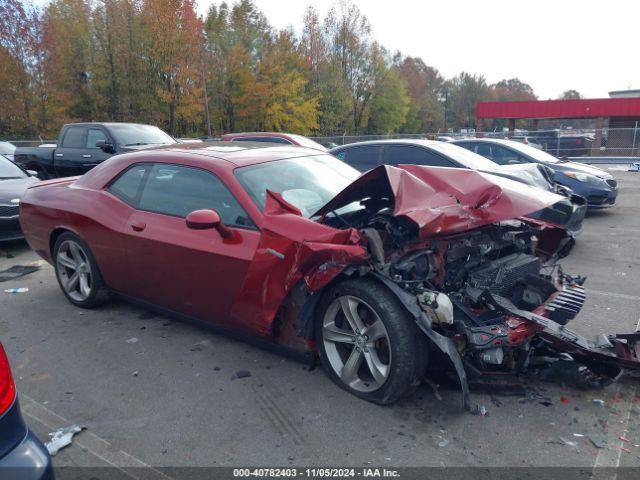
[178,190]
[127,185]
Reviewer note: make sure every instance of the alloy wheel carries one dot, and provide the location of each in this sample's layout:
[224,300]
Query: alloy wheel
[74,270]
[356,343]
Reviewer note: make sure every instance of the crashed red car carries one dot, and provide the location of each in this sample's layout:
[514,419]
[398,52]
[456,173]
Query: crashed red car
[383,276]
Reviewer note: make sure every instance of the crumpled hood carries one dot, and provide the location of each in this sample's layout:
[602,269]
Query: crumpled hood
[441,200]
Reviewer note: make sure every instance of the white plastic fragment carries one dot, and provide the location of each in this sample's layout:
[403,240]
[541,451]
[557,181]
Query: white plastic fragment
[598,401]
[62,438]
[132,340]
[16,290]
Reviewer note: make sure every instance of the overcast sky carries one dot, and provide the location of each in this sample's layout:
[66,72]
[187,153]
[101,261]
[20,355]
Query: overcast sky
[590,46]
[554,45]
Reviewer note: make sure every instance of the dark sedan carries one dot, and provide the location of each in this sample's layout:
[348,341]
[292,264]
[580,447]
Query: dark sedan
[597,186]
[22,455]
[14,181]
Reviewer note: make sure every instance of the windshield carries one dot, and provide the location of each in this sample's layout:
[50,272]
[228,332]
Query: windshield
[534,153]
[8,169]
[7,148]
[307,142]
[465,157]
[128,135]
[305,182]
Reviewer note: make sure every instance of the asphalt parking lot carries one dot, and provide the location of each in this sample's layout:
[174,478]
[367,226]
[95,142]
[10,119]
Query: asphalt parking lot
[153,391]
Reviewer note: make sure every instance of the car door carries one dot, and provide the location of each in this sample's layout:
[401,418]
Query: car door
[94,155]
[415,155]
[193,272]
[68,156]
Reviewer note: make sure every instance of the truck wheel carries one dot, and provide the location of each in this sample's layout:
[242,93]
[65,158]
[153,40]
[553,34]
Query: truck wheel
[77,272]
[368,343]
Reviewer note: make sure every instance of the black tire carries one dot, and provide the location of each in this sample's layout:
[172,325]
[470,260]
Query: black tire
[97,294]
[407,348]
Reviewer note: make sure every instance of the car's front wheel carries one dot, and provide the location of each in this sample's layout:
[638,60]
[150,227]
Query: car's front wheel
[368,343]
[77,272]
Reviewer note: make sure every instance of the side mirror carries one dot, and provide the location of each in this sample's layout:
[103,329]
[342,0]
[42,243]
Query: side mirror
[207,219]
[106,147]
[32,173]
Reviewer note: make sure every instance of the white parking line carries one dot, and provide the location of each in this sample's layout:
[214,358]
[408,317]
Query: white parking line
[622,296]
[91,442]
[608,459]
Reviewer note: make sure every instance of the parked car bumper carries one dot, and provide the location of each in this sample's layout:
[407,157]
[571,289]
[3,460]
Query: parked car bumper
[29,460]
[598,196]
[602,199]
[10,229]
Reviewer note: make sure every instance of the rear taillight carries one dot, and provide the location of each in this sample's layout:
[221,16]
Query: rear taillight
[7,387]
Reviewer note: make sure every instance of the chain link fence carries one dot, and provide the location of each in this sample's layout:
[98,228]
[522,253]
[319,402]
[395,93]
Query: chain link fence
[597,143]
[606,142]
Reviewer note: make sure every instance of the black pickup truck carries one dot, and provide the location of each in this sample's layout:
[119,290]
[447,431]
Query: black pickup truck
[82,146]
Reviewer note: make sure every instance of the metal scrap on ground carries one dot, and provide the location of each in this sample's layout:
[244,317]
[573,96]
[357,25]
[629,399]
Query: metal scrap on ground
[62,438]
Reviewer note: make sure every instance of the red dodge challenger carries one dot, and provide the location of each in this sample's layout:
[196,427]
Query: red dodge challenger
[383,276]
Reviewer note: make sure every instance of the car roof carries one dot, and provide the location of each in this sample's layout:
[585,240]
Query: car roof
[254,134]
[241,154]
[405,141]
[207,155]
[488,140]
[106,124]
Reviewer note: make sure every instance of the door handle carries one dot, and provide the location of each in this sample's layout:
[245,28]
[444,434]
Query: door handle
[138,226]
[59,154]
[86,155]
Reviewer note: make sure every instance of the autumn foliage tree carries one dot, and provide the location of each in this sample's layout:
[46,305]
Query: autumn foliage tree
[157,61]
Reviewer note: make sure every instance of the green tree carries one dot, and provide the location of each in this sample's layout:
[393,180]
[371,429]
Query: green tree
[390,98]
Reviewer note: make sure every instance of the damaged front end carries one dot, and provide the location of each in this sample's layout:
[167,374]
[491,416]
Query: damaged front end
[478,277]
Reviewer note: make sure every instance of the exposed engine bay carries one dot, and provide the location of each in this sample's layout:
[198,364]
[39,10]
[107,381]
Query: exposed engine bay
[495,291]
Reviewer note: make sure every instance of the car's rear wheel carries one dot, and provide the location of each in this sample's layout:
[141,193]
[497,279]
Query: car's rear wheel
[77,272]
[368,343]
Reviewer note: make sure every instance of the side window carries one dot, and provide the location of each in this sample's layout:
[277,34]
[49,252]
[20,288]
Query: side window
[362,158]
[407,155]
[94,135]
[504,156]
[468,145]
[127,185]
[74,137]
[178,190]
[484,149]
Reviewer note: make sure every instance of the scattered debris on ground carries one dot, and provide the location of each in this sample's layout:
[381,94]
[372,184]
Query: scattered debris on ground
[598,441]
[241,374]
[480,410]
[17,271]
[132,340]
[62,438]
[598,401]
[16,290]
